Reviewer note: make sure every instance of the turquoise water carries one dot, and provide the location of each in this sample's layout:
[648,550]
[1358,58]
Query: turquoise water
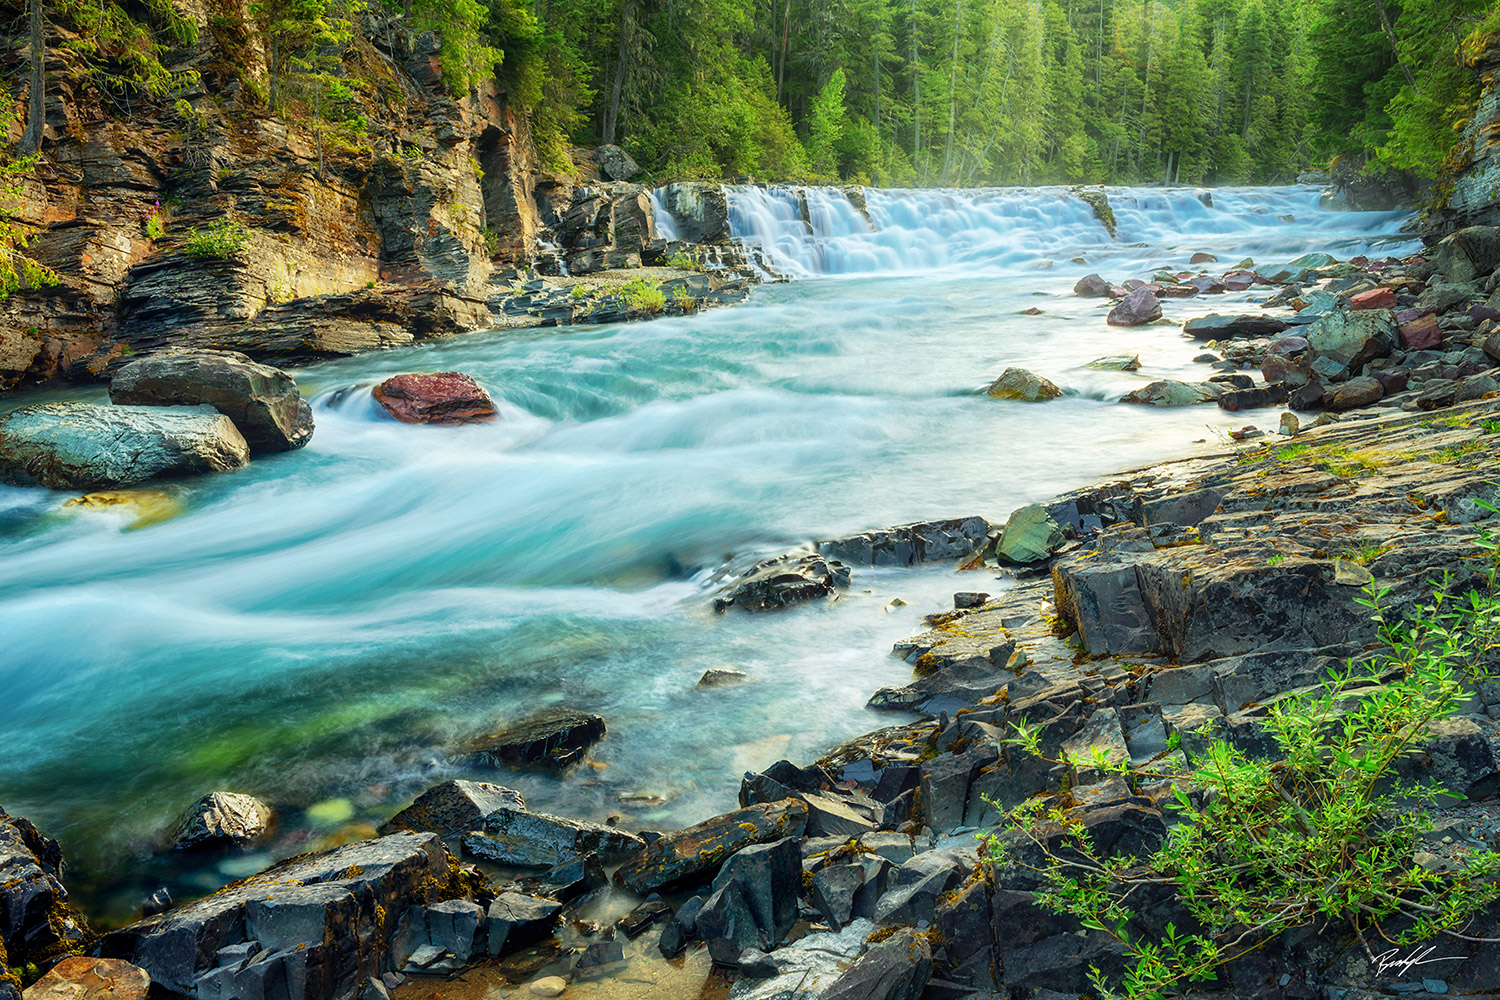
[323,625]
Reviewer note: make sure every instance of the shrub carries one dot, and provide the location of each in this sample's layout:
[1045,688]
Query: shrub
[1320,835]
[644,295]
[222,239]
[683,261]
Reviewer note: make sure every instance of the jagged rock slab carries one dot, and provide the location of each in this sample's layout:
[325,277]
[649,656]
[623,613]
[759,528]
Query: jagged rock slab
[786,580]
[513,836]
[909,544]
[222,819]
[696,853]
[454,806]
[552,740]
[36,921]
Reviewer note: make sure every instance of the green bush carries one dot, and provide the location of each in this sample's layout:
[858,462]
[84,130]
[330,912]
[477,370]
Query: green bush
[1321,835]
[644,295]
[222,240]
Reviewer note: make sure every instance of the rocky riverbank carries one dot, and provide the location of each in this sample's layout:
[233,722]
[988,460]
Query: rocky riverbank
[1134,618]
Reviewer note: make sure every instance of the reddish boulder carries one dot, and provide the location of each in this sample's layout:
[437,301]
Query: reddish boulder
[1354,393]
[1375,298]
[1422,333]
[80,978]
[435,398]
[1178,291]
[1139,307]
[1091,286]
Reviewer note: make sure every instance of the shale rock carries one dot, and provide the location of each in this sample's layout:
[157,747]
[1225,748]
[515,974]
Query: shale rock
[515,920]
[1169,392]
[910,544]
[1341,342]
[1020,384]
[697,852]
[36,921]
[754,902]
[1353,394]
[616,164]
[1217,327]
[777,583]
[85,446]
[897,968]
[454,806]
[263,402]
[513,836]
[222,819]
[80,978]
[553,740]
[1030,535]
[316,923]
[436,398]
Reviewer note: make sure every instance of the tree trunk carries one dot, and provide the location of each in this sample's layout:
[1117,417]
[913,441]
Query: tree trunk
[1390,36]
[875,49]
[31,139]
[618,86]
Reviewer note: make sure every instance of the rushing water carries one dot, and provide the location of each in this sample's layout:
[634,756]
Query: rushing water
[319,627]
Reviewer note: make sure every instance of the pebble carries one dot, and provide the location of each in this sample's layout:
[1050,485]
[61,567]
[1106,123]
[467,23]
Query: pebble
[549,986]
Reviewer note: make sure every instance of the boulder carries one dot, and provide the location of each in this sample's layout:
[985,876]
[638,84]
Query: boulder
[1374,298]
[1422,333]
[1170,392]
[1030,535]
[1202,257]
[453,806]
[80,978]
[263,402]
[803,969]
[513,836]
[552,740]
[916,886]
[567,882]
[897,968]
[1139,307]
[87,446]
[36,921]
[697,853]
[435,398]
[910,544]
[1470,254]
[1283,274]
[1116,363]
[1313,260]
[786,580]
[515,920]
[1020,384]
[1353,394]
[1340,342]
[715,677]
[616,164]
[700,211]
[754,903]
[442,937]
[1091,286]
[220,820]
[1217,327]
[318,925]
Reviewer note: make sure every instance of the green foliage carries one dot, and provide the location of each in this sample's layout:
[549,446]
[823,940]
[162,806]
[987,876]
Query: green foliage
[120,52]
[683,261]
[1322,834]
[156,222]
[222,239]
[825,126]
[17,268]
[644,295]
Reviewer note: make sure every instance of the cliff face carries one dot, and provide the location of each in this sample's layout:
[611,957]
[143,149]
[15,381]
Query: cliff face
[349,244]
[1471,192]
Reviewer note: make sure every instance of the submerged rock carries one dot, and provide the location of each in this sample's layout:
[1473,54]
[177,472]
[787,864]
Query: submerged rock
[786,580]
[222,819]
[1022,385]
[555,740]
[1170,392]
[1116,363]
[87,446]
[435,398]
[699,851]
[263,402]
[146,507]
[721,677]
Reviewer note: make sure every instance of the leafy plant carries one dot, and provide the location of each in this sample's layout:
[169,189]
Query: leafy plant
[156,222]
[684,299]
[1264,847]
[17,268]
[683,261]
[644,295]
[222,239]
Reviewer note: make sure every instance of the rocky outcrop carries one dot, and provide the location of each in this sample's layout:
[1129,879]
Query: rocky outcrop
[1467,191]
[80,978]
[85,446]
[701,211]
[263,402]
[553,740]
[783,581]
[435,398]
[910,544]
[452,807]
[37,923]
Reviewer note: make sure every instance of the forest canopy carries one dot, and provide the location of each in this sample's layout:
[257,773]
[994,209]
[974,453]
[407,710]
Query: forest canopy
[927,92]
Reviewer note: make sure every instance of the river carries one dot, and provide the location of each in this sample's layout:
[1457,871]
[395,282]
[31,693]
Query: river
[320,627]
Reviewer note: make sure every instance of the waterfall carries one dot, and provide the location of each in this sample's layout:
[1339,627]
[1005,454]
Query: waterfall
[807,232]
[666,225]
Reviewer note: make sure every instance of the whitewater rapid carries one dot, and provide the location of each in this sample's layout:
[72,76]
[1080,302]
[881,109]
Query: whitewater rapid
[321,627]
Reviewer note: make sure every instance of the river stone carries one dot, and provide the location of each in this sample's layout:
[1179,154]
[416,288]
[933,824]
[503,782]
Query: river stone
[263,402]
[1139,307]
[87,446]
[1349,340]
[81,978]
[513,836]
[721,677]
[1470,254]
[1091,286]
[785,580]
[515,919]
[1353,394]
[910,544]
[454,806]
[435,398]
[551,740]
[1314,261]
[222,819]
[36,921]
[1030,535]
[1217,327]
[321,922]
[1374,298]
[697,852]
[1283,274]
[1116,363]
[616,164]
[1170,392]
[1020,384]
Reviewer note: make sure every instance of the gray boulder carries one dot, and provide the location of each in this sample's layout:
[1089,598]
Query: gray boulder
[516,919]
[1170,392]
[1091,286]
[451,930]
[895,969]
[36,921]
[552,740]
[1470,254]
[1341,342]
[454,806]
[513,836]
[754,903]
[1139,307]
[222,819]
[916,886]
[777,583]
[1217,327]
[909,544]
[616,164]
[87,446]
[263,402]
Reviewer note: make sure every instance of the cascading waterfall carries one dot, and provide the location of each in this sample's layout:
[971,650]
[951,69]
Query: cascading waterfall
[666,225]
[806,232]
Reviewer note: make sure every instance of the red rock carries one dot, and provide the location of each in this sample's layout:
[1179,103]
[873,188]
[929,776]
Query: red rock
[1375,298]
[1392,381]
[1238,282]
[435,398]
[80,978]
[1421,333]
[1202,258]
